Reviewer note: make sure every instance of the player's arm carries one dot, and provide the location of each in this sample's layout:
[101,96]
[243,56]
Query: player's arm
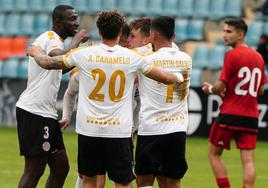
[46,61]
[163,76]
[218,88]
[80,37]
[69,100]
[261,90]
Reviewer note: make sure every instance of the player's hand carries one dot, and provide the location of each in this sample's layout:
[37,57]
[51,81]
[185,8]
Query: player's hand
[180,80]
[205,87]
[64,123]
[81,36]
[34,50]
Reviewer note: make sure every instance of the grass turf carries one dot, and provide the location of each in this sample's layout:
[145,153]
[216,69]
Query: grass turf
[198,175]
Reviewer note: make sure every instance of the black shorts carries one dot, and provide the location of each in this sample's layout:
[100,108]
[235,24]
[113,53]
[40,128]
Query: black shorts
[161,155]
[38,136]
[96,156]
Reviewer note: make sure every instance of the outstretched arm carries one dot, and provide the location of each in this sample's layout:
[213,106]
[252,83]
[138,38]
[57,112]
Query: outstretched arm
[46,61]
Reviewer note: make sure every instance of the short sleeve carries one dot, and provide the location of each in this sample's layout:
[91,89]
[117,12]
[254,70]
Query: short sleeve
[227,69]
[53,44]
[145,66]
[72,58]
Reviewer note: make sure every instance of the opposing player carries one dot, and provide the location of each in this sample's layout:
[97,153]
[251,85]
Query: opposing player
[160,151]
[40,137]
[104,118]
[241,81]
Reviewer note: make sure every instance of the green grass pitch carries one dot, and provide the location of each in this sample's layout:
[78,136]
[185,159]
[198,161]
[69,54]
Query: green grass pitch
[199,174]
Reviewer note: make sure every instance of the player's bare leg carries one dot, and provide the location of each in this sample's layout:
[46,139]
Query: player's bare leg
[59,168]
[145,180]
[217,165]
[164,182]
[100,181]
[89,182]
[33,170]
[249,171]
[216,162]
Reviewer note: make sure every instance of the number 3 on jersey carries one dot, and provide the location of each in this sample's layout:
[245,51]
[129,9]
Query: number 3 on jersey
[115,97]
[253,78]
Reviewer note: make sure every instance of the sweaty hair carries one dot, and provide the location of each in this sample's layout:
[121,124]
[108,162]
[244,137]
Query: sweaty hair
[143,24]
[165,25]
[58,12]
[110,23]
[237,23]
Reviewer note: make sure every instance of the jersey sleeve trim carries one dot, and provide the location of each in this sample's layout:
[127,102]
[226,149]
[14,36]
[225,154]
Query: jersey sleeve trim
[73,50]
[66,62]
[150,67]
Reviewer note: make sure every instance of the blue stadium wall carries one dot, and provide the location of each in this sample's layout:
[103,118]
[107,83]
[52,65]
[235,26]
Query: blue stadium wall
[203,109]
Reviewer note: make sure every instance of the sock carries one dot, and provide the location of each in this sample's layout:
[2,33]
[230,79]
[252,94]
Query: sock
[223,182]
[79,183]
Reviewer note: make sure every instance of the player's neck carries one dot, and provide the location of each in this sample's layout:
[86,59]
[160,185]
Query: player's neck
[243,44]
[58,31]
[109,42]
[162,44]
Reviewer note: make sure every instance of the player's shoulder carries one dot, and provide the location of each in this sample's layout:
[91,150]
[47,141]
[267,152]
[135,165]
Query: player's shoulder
[48,35]
[75,50]
[144,50]
[184,55]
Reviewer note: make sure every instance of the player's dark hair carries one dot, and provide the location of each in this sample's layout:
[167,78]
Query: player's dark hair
[143,24]
[237,23]
[125,29]
[110,23]
[165,25]
[58,12]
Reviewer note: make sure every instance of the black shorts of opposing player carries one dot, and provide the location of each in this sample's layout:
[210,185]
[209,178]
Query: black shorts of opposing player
[161,155]
[239,123]
[96,156]
[38,136]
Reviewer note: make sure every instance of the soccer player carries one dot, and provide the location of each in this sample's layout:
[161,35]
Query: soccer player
[139,35]
[69,99]
[40,137]
[241,81]
[139,40]
[104,118]
[160,151]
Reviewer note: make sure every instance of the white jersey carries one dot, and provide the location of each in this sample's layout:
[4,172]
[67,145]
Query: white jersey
[163,108]
[144,51]
[106,79]
[148,49]
[41,93]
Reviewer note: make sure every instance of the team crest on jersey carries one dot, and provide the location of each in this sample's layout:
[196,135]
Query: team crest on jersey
[46,146]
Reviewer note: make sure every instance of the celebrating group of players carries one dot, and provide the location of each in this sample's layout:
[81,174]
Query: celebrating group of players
[136,75]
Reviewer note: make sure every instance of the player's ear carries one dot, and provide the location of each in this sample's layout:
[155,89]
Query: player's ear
[57,22]
[241,35]
[147,40]
[152,36]
[173,37]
